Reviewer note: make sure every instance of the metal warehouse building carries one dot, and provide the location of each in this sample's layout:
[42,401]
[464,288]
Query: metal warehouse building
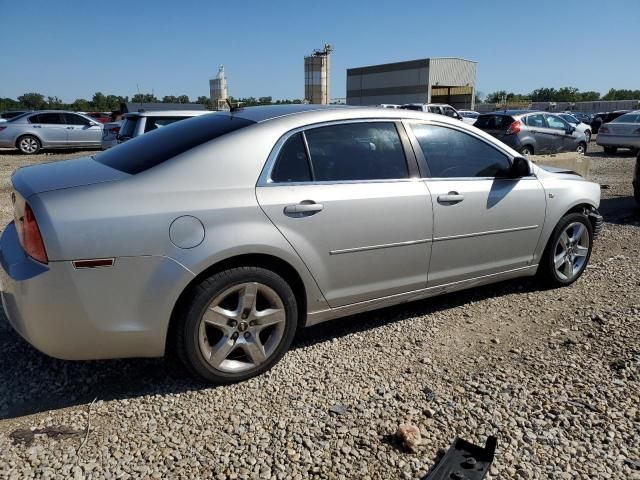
[428,80]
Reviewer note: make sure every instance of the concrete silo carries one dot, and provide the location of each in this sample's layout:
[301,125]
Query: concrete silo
[218,90]
[316,75]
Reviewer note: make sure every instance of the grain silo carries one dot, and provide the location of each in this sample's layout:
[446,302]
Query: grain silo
[316,75]
[218,90]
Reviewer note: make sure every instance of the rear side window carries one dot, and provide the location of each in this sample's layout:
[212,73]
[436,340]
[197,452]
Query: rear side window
[72,119]
[628,118]
[493,122]
[451,153]
[158,122]
[47,118]
[356,151]
[292,164]
[147,151]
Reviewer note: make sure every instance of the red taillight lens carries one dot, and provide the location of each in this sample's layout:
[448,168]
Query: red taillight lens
[514,127]
[116,130]
[603,130]
[31,238]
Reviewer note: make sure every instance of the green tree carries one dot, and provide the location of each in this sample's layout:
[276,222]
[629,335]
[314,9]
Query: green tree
[144,98]
[99,102]
[54,103]
[183,99]
[169,99]
[80,105]
[32,101]
[206,101]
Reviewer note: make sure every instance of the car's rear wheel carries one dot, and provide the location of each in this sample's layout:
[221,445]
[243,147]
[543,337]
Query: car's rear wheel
[581,148]
[28,144]
[236,324]
[526,150]
[610,150]
[568,251]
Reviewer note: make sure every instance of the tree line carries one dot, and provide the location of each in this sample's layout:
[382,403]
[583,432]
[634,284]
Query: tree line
[564,94]
[109,103]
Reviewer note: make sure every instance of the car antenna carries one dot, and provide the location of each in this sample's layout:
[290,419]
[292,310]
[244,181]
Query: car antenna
[231,107]
[141,109]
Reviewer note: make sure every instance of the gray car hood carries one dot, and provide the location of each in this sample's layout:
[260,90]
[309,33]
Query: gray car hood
[65,174]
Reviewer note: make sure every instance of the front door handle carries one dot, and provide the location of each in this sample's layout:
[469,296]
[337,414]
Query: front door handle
[450,198]
[305,208]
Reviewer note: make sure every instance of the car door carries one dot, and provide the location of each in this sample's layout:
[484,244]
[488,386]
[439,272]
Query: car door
[483,222]
[560,140]
[537,127]
[348,198]
[50,127]
[82,131]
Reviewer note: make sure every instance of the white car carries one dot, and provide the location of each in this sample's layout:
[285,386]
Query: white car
[439,108]
[138,123]
[110,134]
[579,126]
[469,116]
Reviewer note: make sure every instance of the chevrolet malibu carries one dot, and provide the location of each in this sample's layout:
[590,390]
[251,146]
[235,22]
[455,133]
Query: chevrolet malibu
[217,237]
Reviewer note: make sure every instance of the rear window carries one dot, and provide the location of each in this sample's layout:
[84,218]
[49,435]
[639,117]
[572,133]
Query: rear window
[129,127]
[154,148]
[493,122]
[627,118]
[158,122]
[412,107]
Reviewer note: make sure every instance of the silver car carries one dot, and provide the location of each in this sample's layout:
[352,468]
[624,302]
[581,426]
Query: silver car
[622,132]
[32,132]
[219,236]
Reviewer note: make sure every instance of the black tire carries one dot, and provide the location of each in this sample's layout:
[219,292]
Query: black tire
[610,150]
[28,144]
[636,195]
[581,148]
[526,150]
[187,331]
[547,272]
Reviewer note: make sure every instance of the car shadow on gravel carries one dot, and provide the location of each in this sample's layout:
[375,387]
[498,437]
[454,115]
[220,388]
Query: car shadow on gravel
[621,210]
[31,382]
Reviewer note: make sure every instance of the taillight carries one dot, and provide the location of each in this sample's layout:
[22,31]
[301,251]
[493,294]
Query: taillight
[603,130]
[30,236]
[514,127]
[116,130]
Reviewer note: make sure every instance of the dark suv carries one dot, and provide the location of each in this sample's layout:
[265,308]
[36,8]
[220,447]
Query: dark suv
[601,118]
[530,132]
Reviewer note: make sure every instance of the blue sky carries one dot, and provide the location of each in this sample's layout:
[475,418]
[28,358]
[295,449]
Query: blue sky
[74,48]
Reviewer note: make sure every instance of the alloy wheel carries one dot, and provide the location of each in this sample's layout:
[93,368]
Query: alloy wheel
[28,145]
[242,327]
[580,149]
[571,250]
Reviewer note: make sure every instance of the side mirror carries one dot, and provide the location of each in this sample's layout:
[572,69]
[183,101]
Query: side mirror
[520,168]
[570,130]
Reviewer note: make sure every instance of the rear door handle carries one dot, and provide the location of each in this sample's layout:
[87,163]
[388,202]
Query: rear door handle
[450,198]
[301,209]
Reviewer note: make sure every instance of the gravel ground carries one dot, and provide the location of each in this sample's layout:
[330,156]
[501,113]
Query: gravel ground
[555,374]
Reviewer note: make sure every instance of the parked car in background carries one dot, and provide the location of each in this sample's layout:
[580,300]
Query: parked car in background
[530,132]
[469,116]
[389,105]
[110,133]
[582,116]
[137,123]
[621,132]
[605,117]
[581,127]
[102,117]
[4,116]
[34,131]
[218,237]
[439,108]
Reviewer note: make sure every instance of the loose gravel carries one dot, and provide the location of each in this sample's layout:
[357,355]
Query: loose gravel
[555,374]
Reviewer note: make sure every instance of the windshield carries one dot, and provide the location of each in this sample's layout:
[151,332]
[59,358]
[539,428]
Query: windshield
[151,149]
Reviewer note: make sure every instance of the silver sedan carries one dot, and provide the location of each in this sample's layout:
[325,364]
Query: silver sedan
[34,131]
[219,236]
[622,132]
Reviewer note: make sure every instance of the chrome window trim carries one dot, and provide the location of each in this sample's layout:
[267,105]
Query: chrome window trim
[264,180]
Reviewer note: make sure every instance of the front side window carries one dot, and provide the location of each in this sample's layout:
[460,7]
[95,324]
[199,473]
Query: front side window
[452,153]
[72,119]
[450,112]
[292,164]
[556,123]
[356,151]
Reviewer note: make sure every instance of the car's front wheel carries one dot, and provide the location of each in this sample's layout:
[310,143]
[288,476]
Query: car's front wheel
[526,150]
[236,324]
[28,144]
[581,148]
[568,251]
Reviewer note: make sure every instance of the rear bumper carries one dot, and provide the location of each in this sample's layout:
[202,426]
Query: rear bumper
[624,141]
[114,312]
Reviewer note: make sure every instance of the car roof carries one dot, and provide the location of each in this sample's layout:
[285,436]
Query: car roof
[166,113]
[512,112]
